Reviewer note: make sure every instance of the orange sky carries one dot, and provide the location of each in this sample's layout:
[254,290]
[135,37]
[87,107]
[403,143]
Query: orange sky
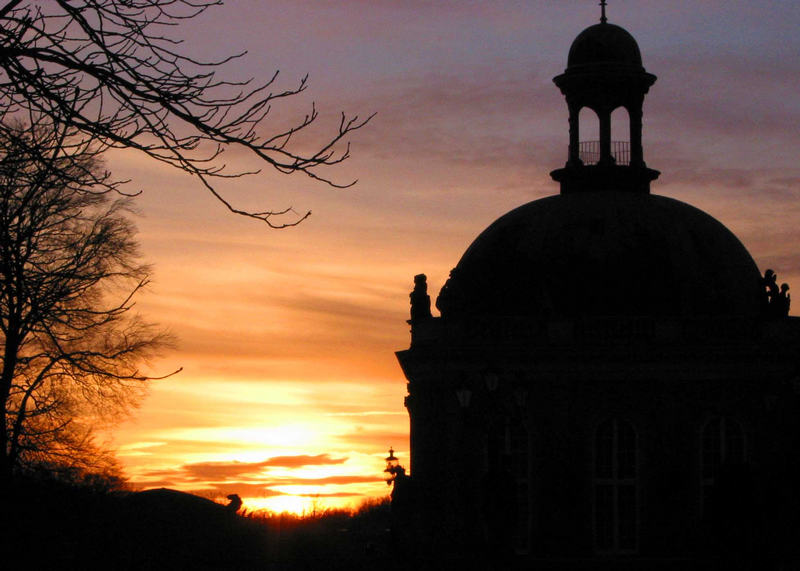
[290,392]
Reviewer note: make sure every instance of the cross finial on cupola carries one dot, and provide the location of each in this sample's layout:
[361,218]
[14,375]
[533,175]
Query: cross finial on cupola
[603,18]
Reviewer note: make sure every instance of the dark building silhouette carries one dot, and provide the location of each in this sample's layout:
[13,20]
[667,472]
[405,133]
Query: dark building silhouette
[611,382]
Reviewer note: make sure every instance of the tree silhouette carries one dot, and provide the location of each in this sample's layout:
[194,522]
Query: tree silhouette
[69,271]
[109,69]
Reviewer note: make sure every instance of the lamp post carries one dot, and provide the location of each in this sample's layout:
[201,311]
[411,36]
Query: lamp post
[492,381]
[463,392]
[464,395]
[392,467]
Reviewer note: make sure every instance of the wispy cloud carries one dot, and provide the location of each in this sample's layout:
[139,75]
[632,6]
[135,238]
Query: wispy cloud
[287,338]
[229,470]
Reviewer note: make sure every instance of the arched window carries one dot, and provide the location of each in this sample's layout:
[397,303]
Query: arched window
[615,487]
[722,442]
[589,136]
[621,136]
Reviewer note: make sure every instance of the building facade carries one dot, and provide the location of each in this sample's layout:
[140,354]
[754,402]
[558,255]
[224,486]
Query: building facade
[611,380]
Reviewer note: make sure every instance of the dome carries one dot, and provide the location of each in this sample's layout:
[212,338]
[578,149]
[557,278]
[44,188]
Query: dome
[604,254]
[604,44]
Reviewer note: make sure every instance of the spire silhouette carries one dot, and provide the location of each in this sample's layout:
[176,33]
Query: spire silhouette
[603,18]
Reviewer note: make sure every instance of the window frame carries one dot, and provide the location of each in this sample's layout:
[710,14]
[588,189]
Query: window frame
[722,432]
[618,480]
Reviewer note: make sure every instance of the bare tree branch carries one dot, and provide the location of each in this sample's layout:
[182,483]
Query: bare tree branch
[108,69]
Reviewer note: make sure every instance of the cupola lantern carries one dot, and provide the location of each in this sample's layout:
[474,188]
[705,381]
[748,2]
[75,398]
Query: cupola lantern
[605,72]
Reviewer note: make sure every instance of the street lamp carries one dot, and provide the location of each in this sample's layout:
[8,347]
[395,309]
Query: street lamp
[392,467]
[492,381]
[463,394]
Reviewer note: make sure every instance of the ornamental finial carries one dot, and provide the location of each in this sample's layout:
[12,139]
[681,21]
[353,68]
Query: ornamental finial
[603,18]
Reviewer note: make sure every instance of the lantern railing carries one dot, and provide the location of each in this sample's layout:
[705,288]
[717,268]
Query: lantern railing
[589,152]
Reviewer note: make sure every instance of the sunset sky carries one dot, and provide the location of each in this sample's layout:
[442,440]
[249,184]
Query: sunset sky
[290,391]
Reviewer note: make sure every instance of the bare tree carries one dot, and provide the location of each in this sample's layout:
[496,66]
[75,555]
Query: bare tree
[69,271]
[109,69]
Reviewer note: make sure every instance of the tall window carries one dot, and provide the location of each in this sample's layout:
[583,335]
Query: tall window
[722,442]
[519,448]
[508,445]
[615,493]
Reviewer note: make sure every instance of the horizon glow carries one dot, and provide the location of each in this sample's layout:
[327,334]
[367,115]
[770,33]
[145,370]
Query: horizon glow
[287,337]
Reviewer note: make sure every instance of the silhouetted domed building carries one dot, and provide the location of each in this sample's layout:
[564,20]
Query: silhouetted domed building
[604,253]
[611,380]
